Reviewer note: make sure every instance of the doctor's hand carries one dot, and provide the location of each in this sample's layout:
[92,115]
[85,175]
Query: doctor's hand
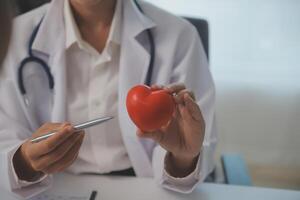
[182,138]
[55,154]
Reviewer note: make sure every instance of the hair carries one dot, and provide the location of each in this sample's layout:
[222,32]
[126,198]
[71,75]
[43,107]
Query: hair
[5,27]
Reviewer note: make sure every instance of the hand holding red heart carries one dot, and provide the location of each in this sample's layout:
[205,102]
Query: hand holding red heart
[183,135]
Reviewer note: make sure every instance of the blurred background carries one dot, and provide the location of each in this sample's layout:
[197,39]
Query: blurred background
[254,55]
[255,61]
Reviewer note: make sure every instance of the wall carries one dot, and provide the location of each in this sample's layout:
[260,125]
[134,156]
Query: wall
[255,51]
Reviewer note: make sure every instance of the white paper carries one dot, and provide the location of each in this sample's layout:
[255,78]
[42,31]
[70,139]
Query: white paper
[58,197]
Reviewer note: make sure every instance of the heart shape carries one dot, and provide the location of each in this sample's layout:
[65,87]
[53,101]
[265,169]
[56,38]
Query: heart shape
[149,109]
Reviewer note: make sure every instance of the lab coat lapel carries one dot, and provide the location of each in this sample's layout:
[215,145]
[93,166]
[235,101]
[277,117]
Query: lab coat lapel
[133,69]
[59,101]
[50,41]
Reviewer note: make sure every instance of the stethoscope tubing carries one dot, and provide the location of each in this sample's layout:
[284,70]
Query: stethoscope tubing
[34,59]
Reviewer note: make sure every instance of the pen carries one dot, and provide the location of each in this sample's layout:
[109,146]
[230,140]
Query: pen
[77,128]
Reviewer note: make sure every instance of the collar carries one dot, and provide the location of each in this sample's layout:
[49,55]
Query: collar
[73,34]
[135,22]
[52,30]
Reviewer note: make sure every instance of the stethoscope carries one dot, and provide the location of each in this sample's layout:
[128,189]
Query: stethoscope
[31,58]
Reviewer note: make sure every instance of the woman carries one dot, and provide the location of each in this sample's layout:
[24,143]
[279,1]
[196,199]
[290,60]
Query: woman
[96,51]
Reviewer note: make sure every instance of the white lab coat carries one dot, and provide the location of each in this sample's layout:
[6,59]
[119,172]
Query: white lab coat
[179,58]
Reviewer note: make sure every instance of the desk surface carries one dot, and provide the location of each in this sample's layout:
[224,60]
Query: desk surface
[114,188]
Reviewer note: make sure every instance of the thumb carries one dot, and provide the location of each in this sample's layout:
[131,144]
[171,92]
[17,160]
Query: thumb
[154,135]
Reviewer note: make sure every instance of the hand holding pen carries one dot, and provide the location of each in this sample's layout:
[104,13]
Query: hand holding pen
[52,148]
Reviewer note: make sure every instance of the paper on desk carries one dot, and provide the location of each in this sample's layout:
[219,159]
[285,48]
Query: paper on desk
[58,197]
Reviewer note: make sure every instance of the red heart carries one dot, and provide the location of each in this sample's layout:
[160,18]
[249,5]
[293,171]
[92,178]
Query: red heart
[149,109]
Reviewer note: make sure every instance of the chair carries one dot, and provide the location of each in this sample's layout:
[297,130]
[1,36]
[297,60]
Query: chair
[202,27]
[235,170]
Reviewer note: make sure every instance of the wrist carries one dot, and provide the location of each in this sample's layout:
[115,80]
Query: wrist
[180,166]
[23,168]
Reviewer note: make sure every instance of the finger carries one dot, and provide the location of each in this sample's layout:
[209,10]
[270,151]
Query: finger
[68,164]
[179,98]
[66,161]
[53,141]
[176,115]
[191,94]
[139,132]
[48,127]
[175,88]
[193,108]
[58,153]
[157,87]
[144,134]
[155,135]
[185,114]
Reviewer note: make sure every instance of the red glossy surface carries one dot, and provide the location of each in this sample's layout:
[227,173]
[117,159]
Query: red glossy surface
[149,109]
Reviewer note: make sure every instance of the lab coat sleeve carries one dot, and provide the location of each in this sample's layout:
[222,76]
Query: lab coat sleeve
[191,68]
[14,130]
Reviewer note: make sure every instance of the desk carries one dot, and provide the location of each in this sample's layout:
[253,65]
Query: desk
[129,188]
